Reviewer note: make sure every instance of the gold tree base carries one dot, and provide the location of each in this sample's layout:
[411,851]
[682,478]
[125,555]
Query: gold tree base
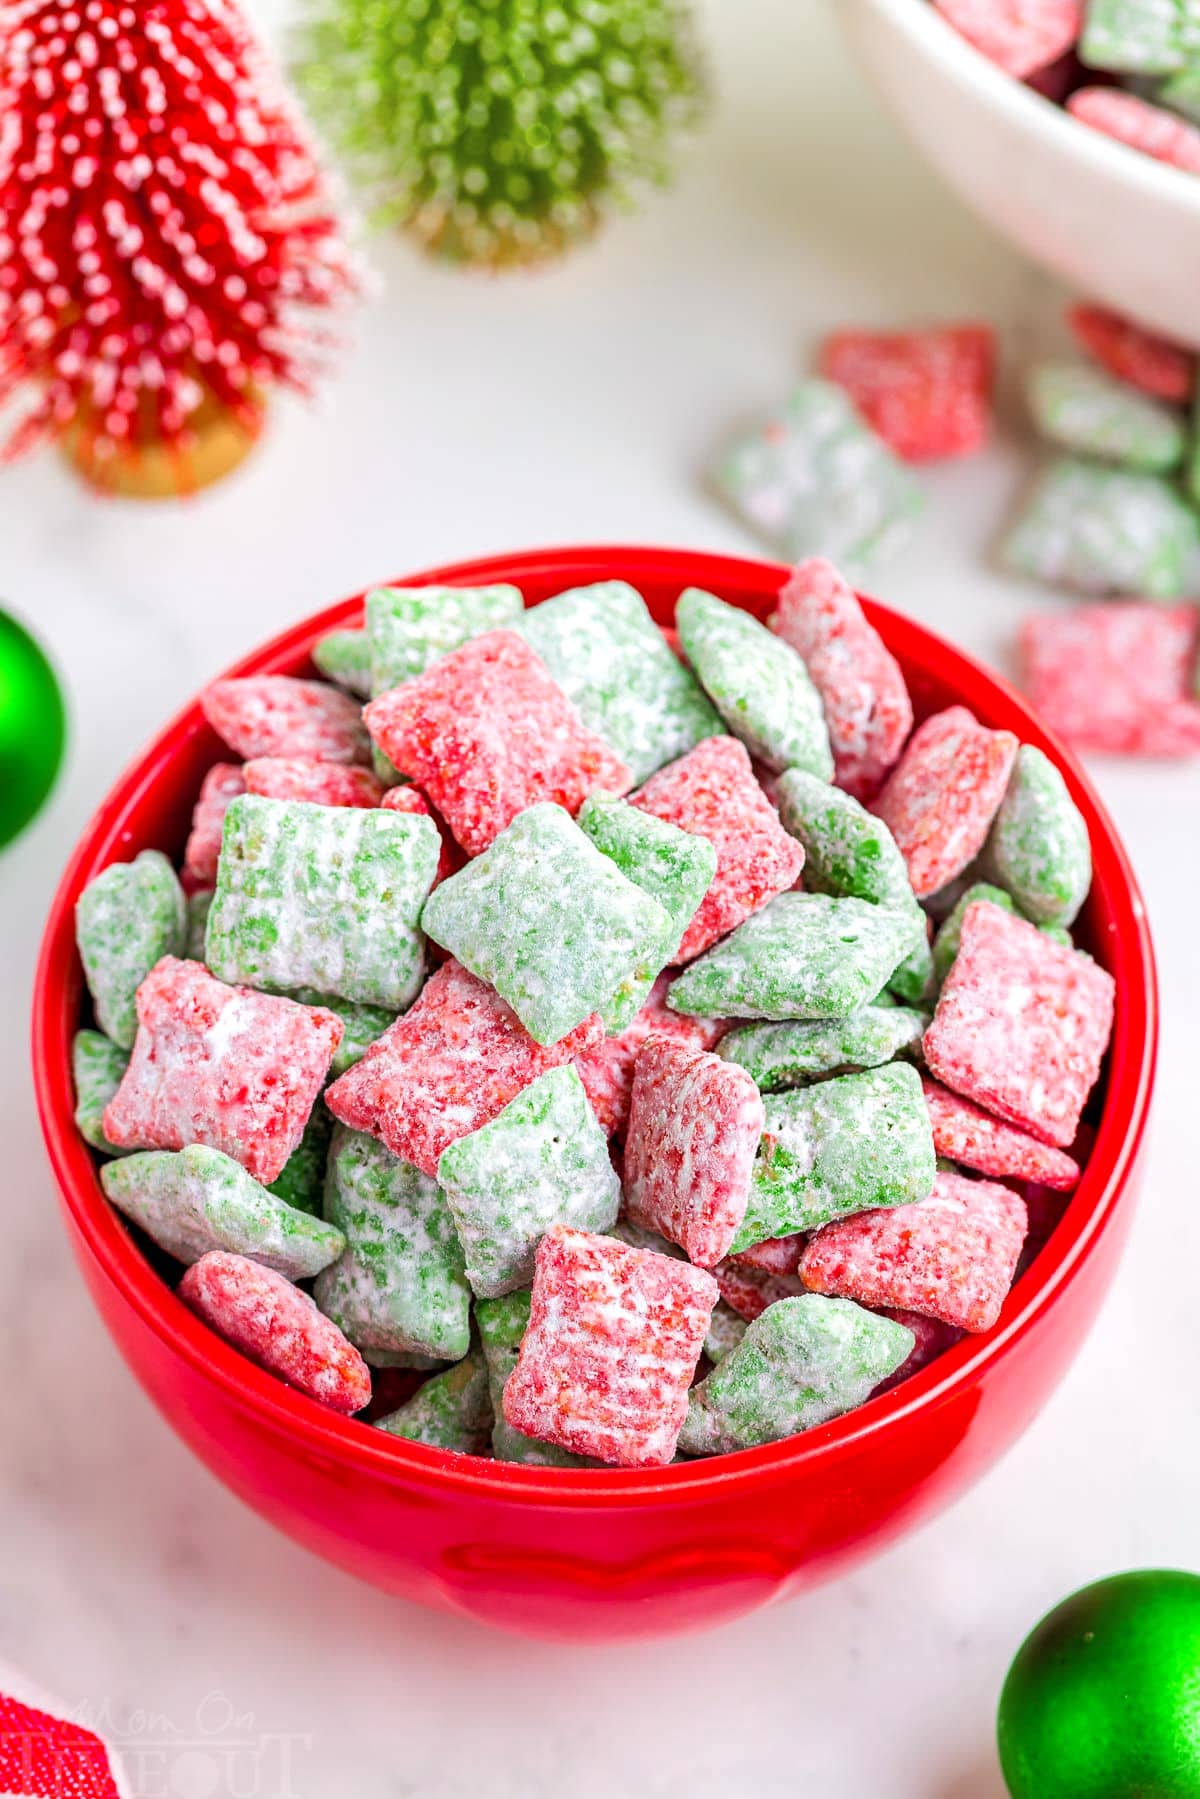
[146,468]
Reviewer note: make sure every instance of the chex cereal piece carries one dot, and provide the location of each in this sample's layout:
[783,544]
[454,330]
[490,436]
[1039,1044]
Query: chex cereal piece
[502,1325]
[237,1070]
[613,1341]
[748,1291]
[400,1286]
[1181,92]
[941,798]
[324,897]
[1104,531]
[126,919]
[949,932]
[674,867]
[278,1326]
[774,1255]
[543,1160]
[931,1338]
[1134,37]
[361,1026]
[200,1200]
[277,715]
[549,922]
[486,732]
[863,691]
[801,1363]
[1020,36]
[849,851]
[953,1256]
[199,905]
[927,393]
[223,782]
[301,1181]
[841,1146]
[454,1060]
[451,1411]
[1115,677]
[97,1065]
[694,1129]
[1021,1024]
[1038,848]
[613,663]
[757,682]
[816,481]
[345,657]
[1151,363]
[806,955]
[410,627]
[725,1331]
[407,798]
[1089,411]
[1145,127]
[712,792]
[607,1070]
[966,1134]
[795,1052]
[303,778]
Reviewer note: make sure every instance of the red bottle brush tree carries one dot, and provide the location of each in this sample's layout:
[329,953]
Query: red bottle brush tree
[164,226]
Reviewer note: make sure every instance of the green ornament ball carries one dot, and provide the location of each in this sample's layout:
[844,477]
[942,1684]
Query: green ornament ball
[33,728]
[1103,1698]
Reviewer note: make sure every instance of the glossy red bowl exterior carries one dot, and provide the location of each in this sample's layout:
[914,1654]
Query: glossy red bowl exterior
[608,1553]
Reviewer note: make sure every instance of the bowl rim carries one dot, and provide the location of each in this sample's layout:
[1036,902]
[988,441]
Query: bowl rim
[318,1432]
[934,37]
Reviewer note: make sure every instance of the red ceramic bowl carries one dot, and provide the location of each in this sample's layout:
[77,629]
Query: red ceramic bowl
[609,1553]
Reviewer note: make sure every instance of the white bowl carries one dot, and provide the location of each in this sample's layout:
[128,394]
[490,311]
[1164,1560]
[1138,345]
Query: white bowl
[1115,224]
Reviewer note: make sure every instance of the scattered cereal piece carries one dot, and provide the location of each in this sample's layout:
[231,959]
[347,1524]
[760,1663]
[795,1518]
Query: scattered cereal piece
[931,1338]
[613,1340]
[408,628]
[278,1326]
[451,1411]
[968,1135]
[725,1331]
[801,1363]
[97,1065]
[199,1200]
[945,944]
[867,708]
[927,393]
[712,792]
[1132,37]
[126,919]
[301,1182]
[840,1146]
[1151,363]
[276,715]
[543,1160]
[237,1070]
[1115,677]
[806,955]
[323,897]
[345,657]
[613,663]
[223,782]
[502,1326]
[607,1070]
[302,778]
[1020,36]
[1138,123]
[953,1256]
[449,1065]
[1038,845]
[1104,531]
[940,799]
[816,481]
[400,1286]
[486,733]
[756,680]
[694,1129]
[795,1052]
[1021,1024]
[1093,413]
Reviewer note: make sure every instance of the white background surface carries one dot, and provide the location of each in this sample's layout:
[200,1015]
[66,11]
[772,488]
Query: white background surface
[471,416]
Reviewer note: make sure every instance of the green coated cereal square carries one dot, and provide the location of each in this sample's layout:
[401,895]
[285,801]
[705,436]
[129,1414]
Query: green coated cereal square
[1085,409]
[129,917]
[345,657]
[1105,531]
[410,627]
[97,1065]
[451,1411]
[301,1181]
[792,1053]
[1038,848]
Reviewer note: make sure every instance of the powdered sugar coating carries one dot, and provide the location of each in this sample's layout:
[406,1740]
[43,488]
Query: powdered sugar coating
[791,1053]
[940,799]
[276,1325]
[927,393]
[223,782]
[449,1065]
[607,1070]
[407,798]
[953,1256]
[1038,847]
[1115,677]
[1021,1025]
[345,657]
[408,628]
[694,1129]
[278,715]
[451,1411]
[1092,413]
[237,1070]
[126,919]
[613,1340]
[1150,363]
[1145,127]
[1020,36]
[1136,38]
[304,778]
[502,1325]
[97,1065]
[1104,531]
[966,1134]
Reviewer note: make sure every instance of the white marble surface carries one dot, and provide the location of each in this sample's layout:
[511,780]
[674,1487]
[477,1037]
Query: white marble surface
[470,416]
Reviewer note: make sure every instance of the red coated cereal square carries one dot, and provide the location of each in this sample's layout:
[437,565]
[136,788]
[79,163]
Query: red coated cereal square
[951,1256]
[1152,363]
[930,1338]
[1020,36]
[965,1133]
[712,792]
[486,732]
[749,1291]
[223,782]
[1116,676]
[319,783]
[1021,1024]
[926,393]
[454,1060]
[694,1129]
[862,689]
[774,1255]
[607,1070]
[1140,124]
[237,1070]
[940,799]
[613,1340]
[277,715]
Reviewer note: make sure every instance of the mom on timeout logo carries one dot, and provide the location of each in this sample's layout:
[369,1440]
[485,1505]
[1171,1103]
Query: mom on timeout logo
[48,1751]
